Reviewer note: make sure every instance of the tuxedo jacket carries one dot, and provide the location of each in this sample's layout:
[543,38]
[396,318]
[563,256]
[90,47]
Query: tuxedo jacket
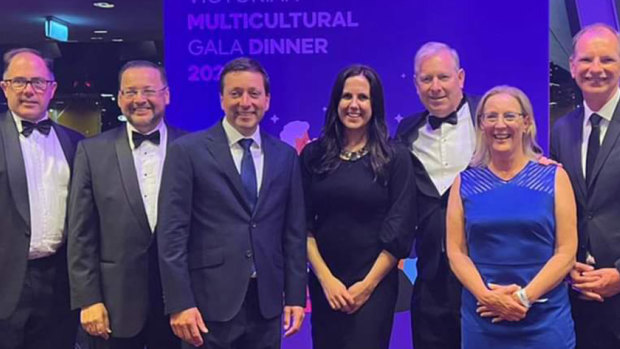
[598,202]
[209,236]
[15,208]
[109,234]
[431,229]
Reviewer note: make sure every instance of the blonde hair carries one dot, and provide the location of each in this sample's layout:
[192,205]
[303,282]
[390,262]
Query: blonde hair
[532,150]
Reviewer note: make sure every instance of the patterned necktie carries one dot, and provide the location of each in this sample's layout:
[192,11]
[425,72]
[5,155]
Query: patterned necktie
[138,138]
[44,127]
[594,144]
[248,172]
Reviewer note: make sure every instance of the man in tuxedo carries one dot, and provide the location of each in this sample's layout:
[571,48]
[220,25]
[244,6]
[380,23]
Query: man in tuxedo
[113,264]
[587,142]
[36,156]
[442,140]
[232,240]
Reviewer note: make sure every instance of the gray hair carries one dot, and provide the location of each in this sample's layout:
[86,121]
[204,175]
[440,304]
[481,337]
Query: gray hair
[591,28]
[532,150]
[432,48]
[9,55]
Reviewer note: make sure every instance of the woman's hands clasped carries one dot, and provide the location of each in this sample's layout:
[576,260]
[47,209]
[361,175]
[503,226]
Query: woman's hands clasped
[343,299]
[501,304]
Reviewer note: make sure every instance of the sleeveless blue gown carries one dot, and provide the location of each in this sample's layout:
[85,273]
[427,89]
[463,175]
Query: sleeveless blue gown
[510,232]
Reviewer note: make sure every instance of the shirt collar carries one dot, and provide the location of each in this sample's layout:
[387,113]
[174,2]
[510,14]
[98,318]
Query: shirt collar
[18,121]
[235,136]
[161,127]
[606,112]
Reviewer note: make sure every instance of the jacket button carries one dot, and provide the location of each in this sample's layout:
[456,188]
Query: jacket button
[248,253]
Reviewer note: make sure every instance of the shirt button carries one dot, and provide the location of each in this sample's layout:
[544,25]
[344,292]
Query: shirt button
[253,225]
[248,254]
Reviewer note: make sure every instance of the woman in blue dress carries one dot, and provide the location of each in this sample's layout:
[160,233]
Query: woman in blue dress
[511,234]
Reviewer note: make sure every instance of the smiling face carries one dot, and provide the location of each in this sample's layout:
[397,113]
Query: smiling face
[144,112]
[595,66]
[244,100]
[27,102]
[504,125]
[354,108]
[439,83]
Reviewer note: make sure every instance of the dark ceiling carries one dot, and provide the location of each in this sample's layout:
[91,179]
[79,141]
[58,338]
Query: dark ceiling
[22,21]
[86,69]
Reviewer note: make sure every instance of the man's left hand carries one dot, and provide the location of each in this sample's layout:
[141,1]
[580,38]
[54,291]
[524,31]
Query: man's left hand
[547,161]
[293,318]
[607,284]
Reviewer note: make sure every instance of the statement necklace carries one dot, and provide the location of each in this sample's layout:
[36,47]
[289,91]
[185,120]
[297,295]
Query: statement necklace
[353,155]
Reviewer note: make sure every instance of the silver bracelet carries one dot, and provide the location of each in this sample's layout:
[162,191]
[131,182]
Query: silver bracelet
[523,298]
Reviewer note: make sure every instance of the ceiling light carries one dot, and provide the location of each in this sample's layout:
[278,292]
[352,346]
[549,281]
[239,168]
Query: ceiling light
[117,40]
[96,38]
[100,31]
[103,4]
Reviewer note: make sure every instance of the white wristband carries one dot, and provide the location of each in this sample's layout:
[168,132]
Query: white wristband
[522,296]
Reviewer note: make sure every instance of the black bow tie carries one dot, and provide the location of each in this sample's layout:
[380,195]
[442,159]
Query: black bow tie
[435,121]
[44,127]
[138,138]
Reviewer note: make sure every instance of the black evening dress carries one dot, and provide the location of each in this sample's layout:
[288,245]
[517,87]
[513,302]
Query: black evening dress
[353,217]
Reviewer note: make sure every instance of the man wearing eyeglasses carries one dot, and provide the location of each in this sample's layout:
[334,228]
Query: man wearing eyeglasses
[36,156]
[587,142]
[113,264]
[442,140]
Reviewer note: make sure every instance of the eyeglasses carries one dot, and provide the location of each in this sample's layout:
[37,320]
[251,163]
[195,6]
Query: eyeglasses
[38,84]
[146,93]
[493,118]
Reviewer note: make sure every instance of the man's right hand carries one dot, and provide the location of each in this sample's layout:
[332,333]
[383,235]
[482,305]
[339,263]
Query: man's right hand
[95,322]
[578,278]
[188,325]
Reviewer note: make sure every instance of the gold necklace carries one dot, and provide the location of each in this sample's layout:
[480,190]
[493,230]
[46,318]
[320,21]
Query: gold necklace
[353,155]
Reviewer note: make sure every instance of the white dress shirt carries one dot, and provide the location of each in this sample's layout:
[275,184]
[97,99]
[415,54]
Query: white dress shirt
[148,159]
[447,150]
[606,113]
[237,151]
[47,174]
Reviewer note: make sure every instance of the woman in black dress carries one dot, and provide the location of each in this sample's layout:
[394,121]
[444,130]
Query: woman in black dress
[359,199]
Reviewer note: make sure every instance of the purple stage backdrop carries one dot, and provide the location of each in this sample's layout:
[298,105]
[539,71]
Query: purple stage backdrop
[304,43]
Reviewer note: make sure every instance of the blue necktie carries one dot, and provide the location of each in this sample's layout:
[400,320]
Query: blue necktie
[248,172]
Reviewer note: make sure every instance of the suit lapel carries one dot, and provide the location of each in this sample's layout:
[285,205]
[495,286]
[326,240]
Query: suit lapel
[270,162]
[574,141]
[611,137]
[16,169]
[68,147]
[217,144]
[129,178]
[423,180]
[472,102]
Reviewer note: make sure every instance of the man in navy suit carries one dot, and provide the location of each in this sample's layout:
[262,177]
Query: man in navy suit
[113,264]
[587,143]
[232,239]
[442,141]
[36,156]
